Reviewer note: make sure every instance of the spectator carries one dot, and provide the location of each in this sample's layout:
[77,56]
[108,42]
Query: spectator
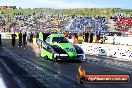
[66,34]
[24,39]
[97,37]
[82,23]
[13,39]
[86,37]
[91,37]
[76,35]
[31,38]
[37,35]
[70,36]
[20,40]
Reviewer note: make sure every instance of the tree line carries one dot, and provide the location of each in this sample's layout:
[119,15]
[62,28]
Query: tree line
[77,12]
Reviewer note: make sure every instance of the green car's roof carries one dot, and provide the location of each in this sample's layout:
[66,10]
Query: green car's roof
[57,35]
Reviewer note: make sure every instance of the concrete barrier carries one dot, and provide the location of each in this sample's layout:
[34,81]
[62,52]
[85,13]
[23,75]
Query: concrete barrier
[119,51]
[8,35]
[119,40]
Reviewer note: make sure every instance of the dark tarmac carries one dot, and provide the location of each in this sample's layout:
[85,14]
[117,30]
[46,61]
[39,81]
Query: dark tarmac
[35,72]
[8,78]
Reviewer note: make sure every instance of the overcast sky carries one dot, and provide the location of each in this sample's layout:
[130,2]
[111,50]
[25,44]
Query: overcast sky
[69,3]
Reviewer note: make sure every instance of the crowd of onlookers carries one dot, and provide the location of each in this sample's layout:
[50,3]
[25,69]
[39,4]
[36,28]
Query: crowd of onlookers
[122,23]
[57,23]
[33,22]
[96,24]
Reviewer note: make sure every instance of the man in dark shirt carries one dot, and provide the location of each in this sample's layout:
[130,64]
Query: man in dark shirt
[13,39]
[24,39]
[70,35]
[31,38]
[20,39]
[98,36]
[76,35]
[91,37]
[37,35]
[86,37]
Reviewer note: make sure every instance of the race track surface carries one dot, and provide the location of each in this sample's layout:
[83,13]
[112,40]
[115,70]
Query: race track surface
[32,71]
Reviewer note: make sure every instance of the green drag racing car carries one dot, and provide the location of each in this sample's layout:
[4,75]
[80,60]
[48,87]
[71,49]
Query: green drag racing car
[57,47]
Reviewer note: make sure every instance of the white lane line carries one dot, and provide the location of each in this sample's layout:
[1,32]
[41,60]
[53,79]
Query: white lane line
[2,83]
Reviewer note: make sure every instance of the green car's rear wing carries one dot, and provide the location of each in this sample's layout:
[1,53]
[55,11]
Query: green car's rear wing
[43,36]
